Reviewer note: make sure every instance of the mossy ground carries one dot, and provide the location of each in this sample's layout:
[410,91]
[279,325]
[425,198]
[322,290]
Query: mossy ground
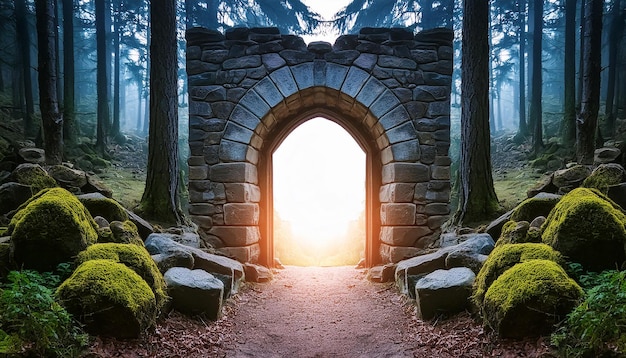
[127,185]
[511,186]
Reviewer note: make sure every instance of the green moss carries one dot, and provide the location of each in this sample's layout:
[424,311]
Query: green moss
[105,207]
[604,176]
[588,229]
[35,176]
[125,233]
[503,258]
[50,228]
[109,298]
[513,233]
[531,208]
[3,231]
[529,299]
[136,258]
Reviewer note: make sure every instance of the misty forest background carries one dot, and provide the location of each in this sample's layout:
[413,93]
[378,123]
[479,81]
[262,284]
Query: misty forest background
[541,53]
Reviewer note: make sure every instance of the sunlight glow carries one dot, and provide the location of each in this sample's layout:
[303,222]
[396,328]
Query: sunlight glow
[319,185]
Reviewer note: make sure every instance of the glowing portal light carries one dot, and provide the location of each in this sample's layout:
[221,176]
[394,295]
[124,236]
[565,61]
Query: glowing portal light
[319,184]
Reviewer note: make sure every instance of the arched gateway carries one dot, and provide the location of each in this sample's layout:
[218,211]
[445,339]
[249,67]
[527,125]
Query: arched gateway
[251,87]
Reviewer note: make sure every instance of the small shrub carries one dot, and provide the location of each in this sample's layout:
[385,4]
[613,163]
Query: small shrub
[597,327]
[32,322]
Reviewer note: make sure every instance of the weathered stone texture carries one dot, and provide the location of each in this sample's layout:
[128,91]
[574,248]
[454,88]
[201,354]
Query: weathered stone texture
[388,85]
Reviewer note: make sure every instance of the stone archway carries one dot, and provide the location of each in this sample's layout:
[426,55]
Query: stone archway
[250,88]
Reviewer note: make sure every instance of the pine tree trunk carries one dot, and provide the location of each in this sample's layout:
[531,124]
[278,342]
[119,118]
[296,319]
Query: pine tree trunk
[537,82]
[590,104]
[568,126]
[23,41]
[101,79]
[530,38]
[477,197]
[51,117]
[523,128]
[615,35]
[70,127]
[139,124]
[581,55]
[160,200]
[115,128]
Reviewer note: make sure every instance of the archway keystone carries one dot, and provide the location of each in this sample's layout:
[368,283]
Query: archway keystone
[250,88]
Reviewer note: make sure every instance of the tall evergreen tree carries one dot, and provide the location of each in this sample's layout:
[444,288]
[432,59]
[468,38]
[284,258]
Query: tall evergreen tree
[103,120]
[160,200]
[51,117]
[477,197]
[23,41]
[568,127]
[522,126]
[587,121]
[537,82]
[70,127]
[615,35]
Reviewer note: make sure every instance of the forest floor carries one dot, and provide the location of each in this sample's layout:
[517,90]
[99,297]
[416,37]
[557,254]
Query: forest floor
[319,312]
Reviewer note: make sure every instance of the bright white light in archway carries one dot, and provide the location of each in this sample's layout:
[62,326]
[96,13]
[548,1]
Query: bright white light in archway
[319,187]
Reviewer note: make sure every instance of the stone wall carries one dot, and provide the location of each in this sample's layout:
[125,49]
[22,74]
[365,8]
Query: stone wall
[390,87]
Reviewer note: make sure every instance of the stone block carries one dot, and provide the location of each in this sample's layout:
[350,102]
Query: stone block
[405,173]
[435,222]
[256,273]
[440,108]
[234,173]
[303,74]
[195,292]
[204,222]
[232,151]
[443,292]
[242,62]
[402,235]
[394,254]
[381,273]
[243,254]
[255,104]
[395,117]
[198,172]
[440,172]
[296,57]
[370,91]
[384,103]
[424,56]
[440,196]
[396,193]
[273,61]
[268,91]
[319,73]
[241,214]
[430,93]
[366,61]
[401,133]
[335,75]
[206,209]
[354,81]
[237,133]
[408,151]
[283,79]
[437,209]
[242,193]
[236,235]
[397,214]
[343,57]
[200,109]
[396,62]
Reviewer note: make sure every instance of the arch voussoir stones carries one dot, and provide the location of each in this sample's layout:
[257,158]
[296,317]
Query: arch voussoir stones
[248,91]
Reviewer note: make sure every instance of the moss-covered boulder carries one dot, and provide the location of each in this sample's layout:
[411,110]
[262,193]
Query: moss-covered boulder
[570,178]
[586,227]
[49,229]
[34,176]
[125,233]
[529,299]
[136,258]
[514,233]
[109,299]
[99,205]
[67,177]
[539,205]
[604,176]
[503,258]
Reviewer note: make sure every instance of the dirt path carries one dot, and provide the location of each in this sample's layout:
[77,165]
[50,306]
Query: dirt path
[320,312]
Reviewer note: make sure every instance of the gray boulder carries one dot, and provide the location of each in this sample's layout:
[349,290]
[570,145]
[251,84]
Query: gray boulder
[606,155]
[443,292]
[470,249]
[195,292]
[162,244]
[570,178]
[68,177]
[12,195]
[32,155]
[257,273]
